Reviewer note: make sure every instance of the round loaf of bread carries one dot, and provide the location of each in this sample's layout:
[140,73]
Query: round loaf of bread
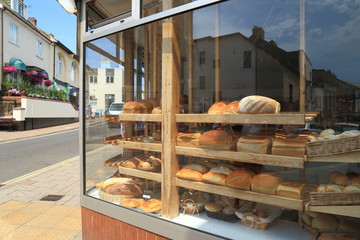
[231,108]
[342,179]
[213,207]
[124,189]
[189,174]
[332,176]
[325,222]
[217,108]
[110,181]
[215,178]
[216,140]
[131,107]
[152,206]
[239,179]
[266,182]
[131,202]
[258,104]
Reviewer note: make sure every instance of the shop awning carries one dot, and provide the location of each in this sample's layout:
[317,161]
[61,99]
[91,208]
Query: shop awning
[20,65]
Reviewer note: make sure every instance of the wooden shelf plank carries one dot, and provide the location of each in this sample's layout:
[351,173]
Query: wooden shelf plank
[266,159]
[350,210]
[141,174]
[281,118]
[155,147]
[134,118]
[350,157]
[245,195]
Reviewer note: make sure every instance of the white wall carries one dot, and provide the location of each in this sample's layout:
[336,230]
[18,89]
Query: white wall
[37,108]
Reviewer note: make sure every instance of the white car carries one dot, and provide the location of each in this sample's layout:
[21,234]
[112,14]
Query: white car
[115,109]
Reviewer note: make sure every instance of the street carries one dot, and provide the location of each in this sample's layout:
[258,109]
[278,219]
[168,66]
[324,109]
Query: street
[27,155]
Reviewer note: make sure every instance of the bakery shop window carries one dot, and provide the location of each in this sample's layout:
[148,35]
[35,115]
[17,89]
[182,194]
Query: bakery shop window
[245,146]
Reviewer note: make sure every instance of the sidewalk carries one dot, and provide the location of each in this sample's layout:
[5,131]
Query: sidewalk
[23,212]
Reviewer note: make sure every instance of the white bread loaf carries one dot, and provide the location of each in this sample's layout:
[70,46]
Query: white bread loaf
[258,104]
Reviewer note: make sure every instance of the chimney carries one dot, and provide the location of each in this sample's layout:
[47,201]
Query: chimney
[258,33]
[33,20]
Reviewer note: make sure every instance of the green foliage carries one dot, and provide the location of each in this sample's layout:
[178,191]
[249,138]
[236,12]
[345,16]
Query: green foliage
[6,85]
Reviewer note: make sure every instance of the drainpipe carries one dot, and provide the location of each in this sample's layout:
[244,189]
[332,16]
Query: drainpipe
[2,9]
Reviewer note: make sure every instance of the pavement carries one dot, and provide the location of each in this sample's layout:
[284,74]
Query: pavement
[44,204]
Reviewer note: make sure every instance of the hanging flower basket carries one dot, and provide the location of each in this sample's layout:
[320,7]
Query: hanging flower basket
[9,69]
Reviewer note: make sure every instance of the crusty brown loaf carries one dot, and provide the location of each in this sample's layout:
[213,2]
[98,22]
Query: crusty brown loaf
[130,163]
[124,189]
[231,108]
[215,178]
[239,179]
[266,182]
[254,144]
[216,140]
[342,179]
[131,107]
[217,108]
[258,104]
[110,181]
[189,174]
[190,139]
[332,175]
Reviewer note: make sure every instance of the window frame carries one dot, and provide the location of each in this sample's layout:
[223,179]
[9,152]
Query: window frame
[58,65]
[13,33]
[39,48]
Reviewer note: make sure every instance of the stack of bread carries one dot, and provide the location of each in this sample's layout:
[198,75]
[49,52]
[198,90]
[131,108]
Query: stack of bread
[222,208]
[150,206]
[141,106]
[330,225]
[117,188]
[340,182]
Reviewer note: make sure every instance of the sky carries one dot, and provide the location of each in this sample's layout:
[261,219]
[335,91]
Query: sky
[52,18]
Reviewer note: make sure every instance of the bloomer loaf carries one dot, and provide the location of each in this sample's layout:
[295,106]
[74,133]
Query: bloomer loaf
[239,179]
[216,140]
[189,174]
[217,108]
[258,104]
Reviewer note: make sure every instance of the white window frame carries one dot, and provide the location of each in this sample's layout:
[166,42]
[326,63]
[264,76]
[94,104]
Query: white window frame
[39,48]
[13,33]
[93,79]
[58,64]
[72,72]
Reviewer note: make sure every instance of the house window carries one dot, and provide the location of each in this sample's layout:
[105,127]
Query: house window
[93,78]
[202,82]
[109,78]
[13,36]
[202,57]
[72,72]
[13,77]
[19,7]
[38,48]
[291,93]
[247,59]
[58,64]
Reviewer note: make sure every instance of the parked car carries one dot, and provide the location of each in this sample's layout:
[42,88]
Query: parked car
[342,127]
[115,109]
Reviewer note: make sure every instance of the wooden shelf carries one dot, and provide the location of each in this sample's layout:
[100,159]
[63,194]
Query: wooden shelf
[350,157]
[245,195]
[155,147]
[141,174]
[349,210]
[134,118]
[281,118]
[266,159]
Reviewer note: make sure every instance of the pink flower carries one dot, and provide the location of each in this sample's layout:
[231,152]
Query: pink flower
[48,82]
[31,73]
[42,75]
[9,69]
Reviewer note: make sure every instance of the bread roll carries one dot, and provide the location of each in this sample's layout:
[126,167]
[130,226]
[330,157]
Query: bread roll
[266,182]
[231,108]
[131,202]
[124,189]
[213,207]
[190,139]
[334,188]
[131,107]
[198,167]
[239,179]
[152,206]
[215,178]
[295,190]
[156,110]
[258,104]
[217,108]
[321,188]
[130,163]
[254,144]
[216,140]
[325,222]
[189,174]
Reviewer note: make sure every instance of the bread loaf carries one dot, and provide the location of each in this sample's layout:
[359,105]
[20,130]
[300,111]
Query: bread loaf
[254,144]
[145,106]
[198,167]
[341,179]
[216,140]
[217,108]
[266,182]
[355,179]
[190,139]
[295,190]
[239,179]
[222,170]
[189,174]
[258,104]
[231,108]
[288,147]
[131,107]
[124,189]
[334,188]
[215,178]
[156,110]
[332,176]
